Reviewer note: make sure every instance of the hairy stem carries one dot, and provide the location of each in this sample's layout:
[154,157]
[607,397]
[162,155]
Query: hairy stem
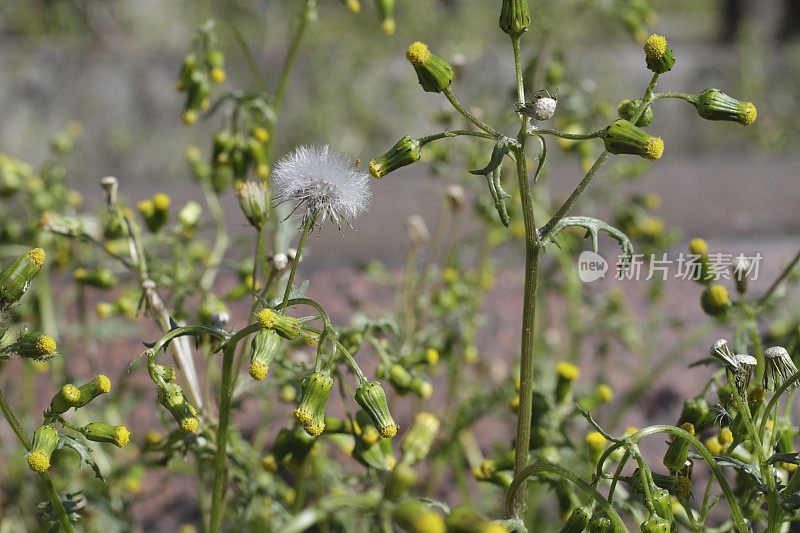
[306,229]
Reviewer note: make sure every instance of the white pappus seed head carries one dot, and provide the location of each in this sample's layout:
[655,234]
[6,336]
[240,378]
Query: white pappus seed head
[321,183]
[544,108]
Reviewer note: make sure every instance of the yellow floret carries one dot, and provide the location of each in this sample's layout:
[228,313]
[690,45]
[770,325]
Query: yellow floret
[161,201]
[375,169]
[190,116]
[354,6]
[71,392]
[725,436]
[46,345]
[37,255]
[189,425]
[258,371]
[605,392]
[688,427]
[494,528]
[303,416]
[698,246]
[268,463]
[432,356]
[713,446]
[266,318]
[428,522]
[38,462]
[387,432]
[217,74]
[314,429]
[388,26]
[121,436]
[417,53]
[153,437]
[567,370]
[684,489]
[655,46]
[103,383]
[595,440]
[718,295]
[751,114]
[425,390]
[654,148]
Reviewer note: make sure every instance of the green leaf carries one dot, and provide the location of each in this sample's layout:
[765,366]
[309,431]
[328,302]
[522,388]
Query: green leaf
[593,227]
[66,441]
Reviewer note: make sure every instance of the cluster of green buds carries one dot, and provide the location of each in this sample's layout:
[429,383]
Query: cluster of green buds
[172,397]
[233,154]
[315,391]
[72,397]
[203,65]
[16,277]
[291,448]
[254,199]
[155,211]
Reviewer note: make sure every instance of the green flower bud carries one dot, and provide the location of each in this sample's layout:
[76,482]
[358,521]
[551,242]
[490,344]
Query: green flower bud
[417,442]
[656,524]
[264,346]
[433,73]
[386,12]
[421,387]
[310,412]
[88,392]
[622,137]
[371,450]
[34,346]
[67,397]
[45,440]
[695,411]
[713,104]
[465,519]
[399,481]
[414,516]
[165,372]
[678,450]
[578,520]
[100,432]
[101,278]
[662,504]
[199,168]
[215,60]
[286,326]
[658,56]
[254,199]
[173,398]
[188,68]
[515,17]
[715,300]
[627,109]
[405,152]
[567,373]
[600,523]
[196,96]
[399,378]
[372,398]
[16,277]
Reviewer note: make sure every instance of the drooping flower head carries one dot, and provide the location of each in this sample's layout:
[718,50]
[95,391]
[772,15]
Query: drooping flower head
[321,183]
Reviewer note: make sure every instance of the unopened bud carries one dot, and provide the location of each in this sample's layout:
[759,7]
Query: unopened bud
[433,73]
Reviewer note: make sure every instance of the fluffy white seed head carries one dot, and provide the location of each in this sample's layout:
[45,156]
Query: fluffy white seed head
[321,184]
[544,108]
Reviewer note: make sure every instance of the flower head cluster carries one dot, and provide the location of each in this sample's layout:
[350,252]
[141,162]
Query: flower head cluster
[323,184]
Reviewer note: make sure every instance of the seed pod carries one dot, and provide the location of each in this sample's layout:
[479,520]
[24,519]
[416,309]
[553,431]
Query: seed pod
[372,398]
[16,277]
[264,346]
[405,152]
[88,392]
[627,109]
[678,450]
[658,56]
[66,398]
[286,326]
[315,390]
[100,432]
[414,516]
[401,478]
[578,520]
[622,137]
[433,73]
[101,278]
[715,300]
[713,104]
[173,398]
[34,346]
[45,440]
[417,442]
[515,17]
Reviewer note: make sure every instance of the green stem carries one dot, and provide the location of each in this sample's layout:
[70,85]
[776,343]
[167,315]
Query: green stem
[44,477]
[221,455]
[467,115]
[455,133]
[518,68]
[681,96]
[783,275]
[574,136]
[306,229]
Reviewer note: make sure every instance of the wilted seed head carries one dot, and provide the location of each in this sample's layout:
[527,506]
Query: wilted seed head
[417,230]
[323,183]
[779,367]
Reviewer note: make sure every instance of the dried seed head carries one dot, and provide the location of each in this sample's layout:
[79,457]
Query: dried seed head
[417,230]
[779,367]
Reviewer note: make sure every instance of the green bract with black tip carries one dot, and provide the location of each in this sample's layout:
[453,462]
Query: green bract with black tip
[372,398]
[434,73]
[173,398]
[622,137]
[16,277]
[578,520]
[515,17]
[263,347]
[713,104]
[315,389]
[405,152]
[600,523]
[678,450]
[656,524]
[662,504]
